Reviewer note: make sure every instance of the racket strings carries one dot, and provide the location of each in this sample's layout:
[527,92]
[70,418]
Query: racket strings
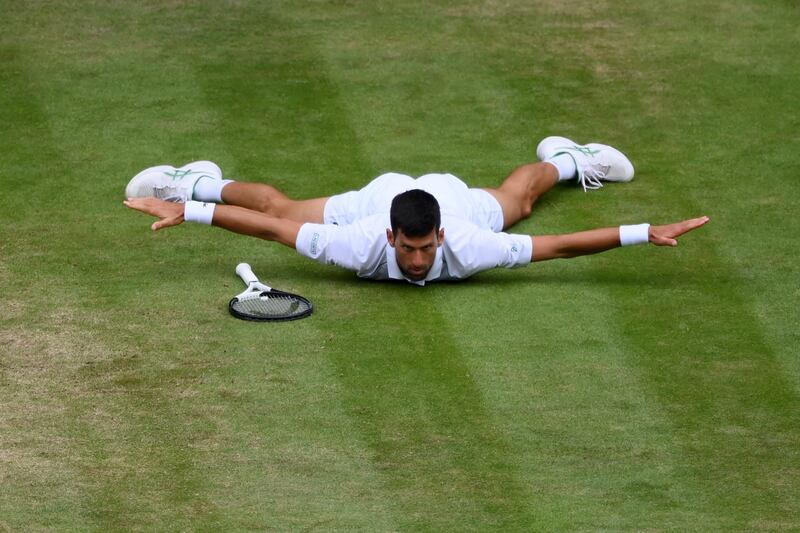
[271,305]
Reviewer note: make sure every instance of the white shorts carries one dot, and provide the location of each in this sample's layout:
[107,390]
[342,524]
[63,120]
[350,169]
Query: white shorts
[454,197]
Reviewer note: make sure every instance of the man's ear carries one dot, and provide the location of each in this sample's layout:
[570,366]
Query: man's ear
[441,237]
[390,237]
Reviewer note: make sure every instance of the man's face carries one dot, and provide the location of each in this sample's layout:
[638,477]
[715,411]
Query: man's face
[415,255]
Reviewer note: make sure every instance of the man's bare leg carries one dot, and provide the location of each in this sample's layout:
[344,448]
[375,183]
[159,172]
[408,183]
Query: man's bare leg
[522,188]
[267,199]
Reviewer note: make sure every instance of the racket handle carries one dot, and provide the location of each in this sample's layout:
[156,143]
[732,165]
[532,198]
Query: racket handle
[246,273]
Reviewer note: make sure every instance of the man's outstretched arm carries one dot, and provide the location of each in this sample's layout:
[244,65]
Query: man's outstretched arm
[599,240]
[229,217]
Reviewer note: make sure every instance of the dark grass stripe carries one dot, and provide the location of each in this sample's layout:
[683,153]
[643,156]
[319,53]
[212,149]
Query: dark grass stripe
[413,395]
[279,116]
[27,162]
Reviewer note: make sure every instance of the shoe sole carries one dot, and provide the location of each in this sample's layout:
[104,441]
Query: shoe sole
[133,184]
[205,167]
[624,164]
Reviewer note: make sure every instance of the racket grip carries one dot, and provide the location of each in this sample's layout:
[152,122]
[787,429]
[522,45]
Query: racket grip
[246,273]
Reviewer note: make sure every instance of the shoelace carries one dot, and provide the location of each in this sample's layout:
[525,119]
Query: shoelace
[591,176]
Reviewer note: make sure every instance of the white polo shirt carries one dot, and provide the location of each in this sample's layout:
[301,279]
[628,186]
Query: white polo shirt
[354,233]
[363,247]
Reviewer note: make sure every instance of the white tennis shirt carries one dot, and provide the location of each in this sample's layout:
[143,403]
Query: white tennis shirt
[354,235]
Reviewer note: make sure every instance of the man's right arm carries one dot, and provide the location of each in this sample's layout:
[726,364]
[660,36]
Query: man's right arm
[229,217]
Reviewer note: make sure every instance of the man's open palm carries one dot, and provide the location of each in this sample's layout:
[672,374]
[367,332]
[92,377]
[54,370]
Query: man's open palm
[667,235]
[168,213]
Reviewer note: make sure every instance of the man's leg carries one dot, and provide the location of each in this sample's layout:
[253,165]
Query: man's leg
[375,197]
[522,188]
[562,159]
[267,199]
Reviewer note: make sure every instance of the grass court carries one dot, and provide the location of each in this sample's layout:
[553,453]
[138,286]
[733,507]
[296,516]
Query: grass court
[642,389]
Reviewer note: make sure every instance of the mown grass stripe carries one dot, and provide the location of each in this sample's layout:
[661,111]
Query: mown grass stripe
[424,418]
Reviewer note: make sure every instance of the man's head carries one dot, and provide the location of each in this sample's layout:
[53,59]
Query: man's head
[416,232]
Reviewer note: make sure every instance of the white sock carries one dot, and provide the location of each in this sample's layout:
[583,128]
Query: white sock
[565,165]
[209,190]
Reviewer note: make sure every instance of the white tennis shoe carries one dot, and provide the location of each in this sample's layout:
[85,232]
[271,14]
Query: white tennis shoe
[169,183]
[596,162]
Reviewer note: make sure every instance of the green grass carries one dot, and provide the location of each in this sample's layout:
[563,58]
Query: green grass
[643,389]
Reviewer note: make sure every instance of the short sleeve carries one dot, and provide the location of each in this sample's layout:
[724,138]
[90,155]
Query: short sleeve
[359,246]
[470,249]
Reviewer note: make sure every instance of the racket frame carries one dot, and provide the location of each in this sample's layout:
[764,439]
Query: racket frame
[256,289]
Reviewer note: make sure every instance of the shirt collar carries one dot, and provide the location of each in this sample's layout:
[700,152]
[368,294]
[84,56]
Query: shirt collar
[396,273]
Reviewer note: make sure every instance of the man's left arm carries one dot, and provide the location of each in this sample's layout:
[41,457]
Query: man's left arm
[594,241]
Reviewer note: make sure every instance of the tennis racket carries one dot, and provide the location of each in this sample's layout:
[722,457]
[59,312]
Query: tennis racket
[263,303]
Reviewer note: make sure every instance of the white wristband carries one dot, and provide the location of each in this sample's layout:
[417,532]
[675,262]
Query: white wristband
[202,212]
[630,235]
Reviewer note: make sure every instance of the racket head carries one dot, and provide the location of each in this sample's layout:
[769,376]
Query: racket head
[270,306]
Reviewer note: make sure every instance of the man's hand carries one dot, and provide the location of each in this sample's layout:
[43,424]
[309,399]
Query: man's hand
[667,235]
[169,213]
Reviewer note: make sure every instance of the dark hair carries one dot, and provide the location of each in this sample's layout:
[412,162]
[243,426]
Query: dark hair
[415,213]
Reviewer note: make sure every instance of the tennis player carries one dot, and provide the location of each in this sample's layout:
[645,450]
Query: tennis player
[431,228]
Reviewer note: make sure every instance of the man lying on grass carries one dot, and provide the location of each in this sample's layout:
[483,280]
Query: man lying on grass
[427,229]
